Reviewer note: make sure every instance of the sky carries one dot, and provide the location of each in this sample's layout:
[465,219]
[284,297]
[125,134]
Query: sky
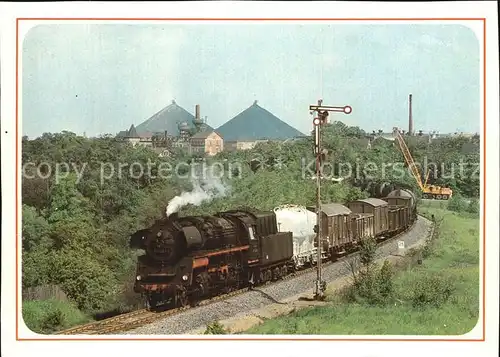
[101,78]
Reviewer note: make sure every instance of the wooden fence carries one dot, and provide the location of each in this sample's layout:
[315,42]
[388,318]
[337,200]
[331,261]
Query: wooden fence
[44,292]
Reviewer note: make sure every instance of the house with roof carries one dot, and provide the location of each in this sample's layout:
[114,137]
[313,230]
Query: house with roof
[131,136]
[237,145]
[207,142]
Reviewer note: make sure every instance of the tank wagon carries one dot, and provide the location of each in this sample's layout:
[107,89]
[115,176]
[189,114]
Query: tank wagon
[300,222]
[187,259]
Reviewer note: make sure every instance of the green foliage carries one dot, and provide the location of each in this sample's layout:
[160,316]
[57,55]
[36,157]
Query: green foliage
[37,266]
[53,320]
[215,328]
[48,316]
[433,290]
[83,279]
[430,241]
[463,205]
[367,250]
[385,284]
[36,245]
[35,230]
[371,286]
[473,206]
[458,204]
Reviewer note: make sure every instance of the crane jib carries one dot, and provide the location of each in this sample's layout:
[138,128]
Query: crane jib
[429,191]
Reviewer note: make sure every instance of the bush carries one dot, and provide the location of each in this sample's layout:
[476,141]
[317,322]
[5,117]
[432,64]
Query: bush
[372,286]
[458,204]
[474,206]
[430,241]
[48,316]
[367,250]
[215,328]
[433,290]
[385,286]
[53,321]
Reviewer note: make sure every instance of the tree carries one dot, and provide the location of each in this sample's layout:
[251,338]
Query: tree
[36,245]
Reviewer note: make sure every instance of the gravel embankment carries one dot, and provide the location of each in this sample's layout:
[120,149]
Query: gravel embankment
[204,315]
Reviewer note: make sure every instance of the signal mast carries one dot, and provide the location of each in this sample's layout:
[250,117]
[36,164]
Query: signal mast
[320,120]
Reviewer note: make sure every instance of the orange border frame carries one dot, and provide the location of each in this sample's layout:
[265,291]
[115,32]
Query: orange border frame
[252,339]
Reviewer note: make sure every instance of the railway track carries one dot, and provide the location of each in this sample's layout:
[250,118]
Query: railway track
[142,317]
[138,318]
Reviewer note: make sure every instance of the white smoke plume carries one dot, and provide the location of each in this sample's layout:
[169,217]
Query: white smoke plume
[204,189]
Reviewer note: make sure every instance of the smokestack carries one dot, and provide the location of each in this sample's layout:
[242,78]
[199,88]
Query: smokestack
[174,216]
[410,120]
[197,111]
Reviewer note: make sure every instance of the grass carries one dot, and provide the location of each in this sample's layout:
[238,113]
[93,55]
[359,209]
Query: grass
[48,316]
[452,266]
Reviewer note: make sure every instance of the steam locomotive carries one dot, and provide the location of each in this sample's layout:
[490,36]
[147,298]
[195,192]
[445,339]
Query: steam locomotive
[191,258]
[188,259]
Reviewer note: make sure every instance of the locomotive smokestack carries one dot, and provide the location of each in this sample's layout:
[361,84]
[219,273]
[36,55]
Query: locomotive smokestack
[197,111]
[410,119]
[174,216]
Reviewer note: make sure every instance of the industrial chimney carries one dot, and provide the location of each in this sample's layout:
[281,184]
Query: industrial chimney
[410,120]
[197,121]
[197,113]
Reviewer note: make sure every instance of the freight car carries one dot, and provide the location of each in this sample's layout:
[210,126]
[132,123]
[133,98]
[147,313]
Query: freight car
[378,208]
[402,209]
[336,231]
[190,258]
[400,197]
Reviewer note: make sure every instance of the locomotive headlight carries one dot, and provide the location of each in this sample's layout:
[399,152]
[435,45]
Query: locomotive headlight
[185,277]
[138,277]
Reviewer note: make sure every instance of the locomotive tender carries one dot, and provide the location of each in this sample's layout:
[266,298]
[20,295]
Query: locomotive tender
[191,258]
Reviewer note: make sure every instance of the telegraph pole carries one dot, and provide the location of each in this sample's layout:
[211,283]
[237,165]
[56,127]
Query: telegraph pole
[319,121]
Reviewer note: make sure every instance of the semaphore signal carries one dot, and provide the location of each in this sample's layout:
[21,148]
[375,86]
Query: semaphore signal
[320,120]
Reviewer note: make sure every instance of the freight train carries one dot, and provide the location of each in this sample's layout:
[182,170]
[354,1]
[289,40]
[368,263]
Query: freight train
[188,259]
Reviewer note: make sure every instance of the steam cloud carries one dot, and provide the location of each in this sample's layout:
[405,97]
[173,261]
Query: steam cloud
[204,189]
